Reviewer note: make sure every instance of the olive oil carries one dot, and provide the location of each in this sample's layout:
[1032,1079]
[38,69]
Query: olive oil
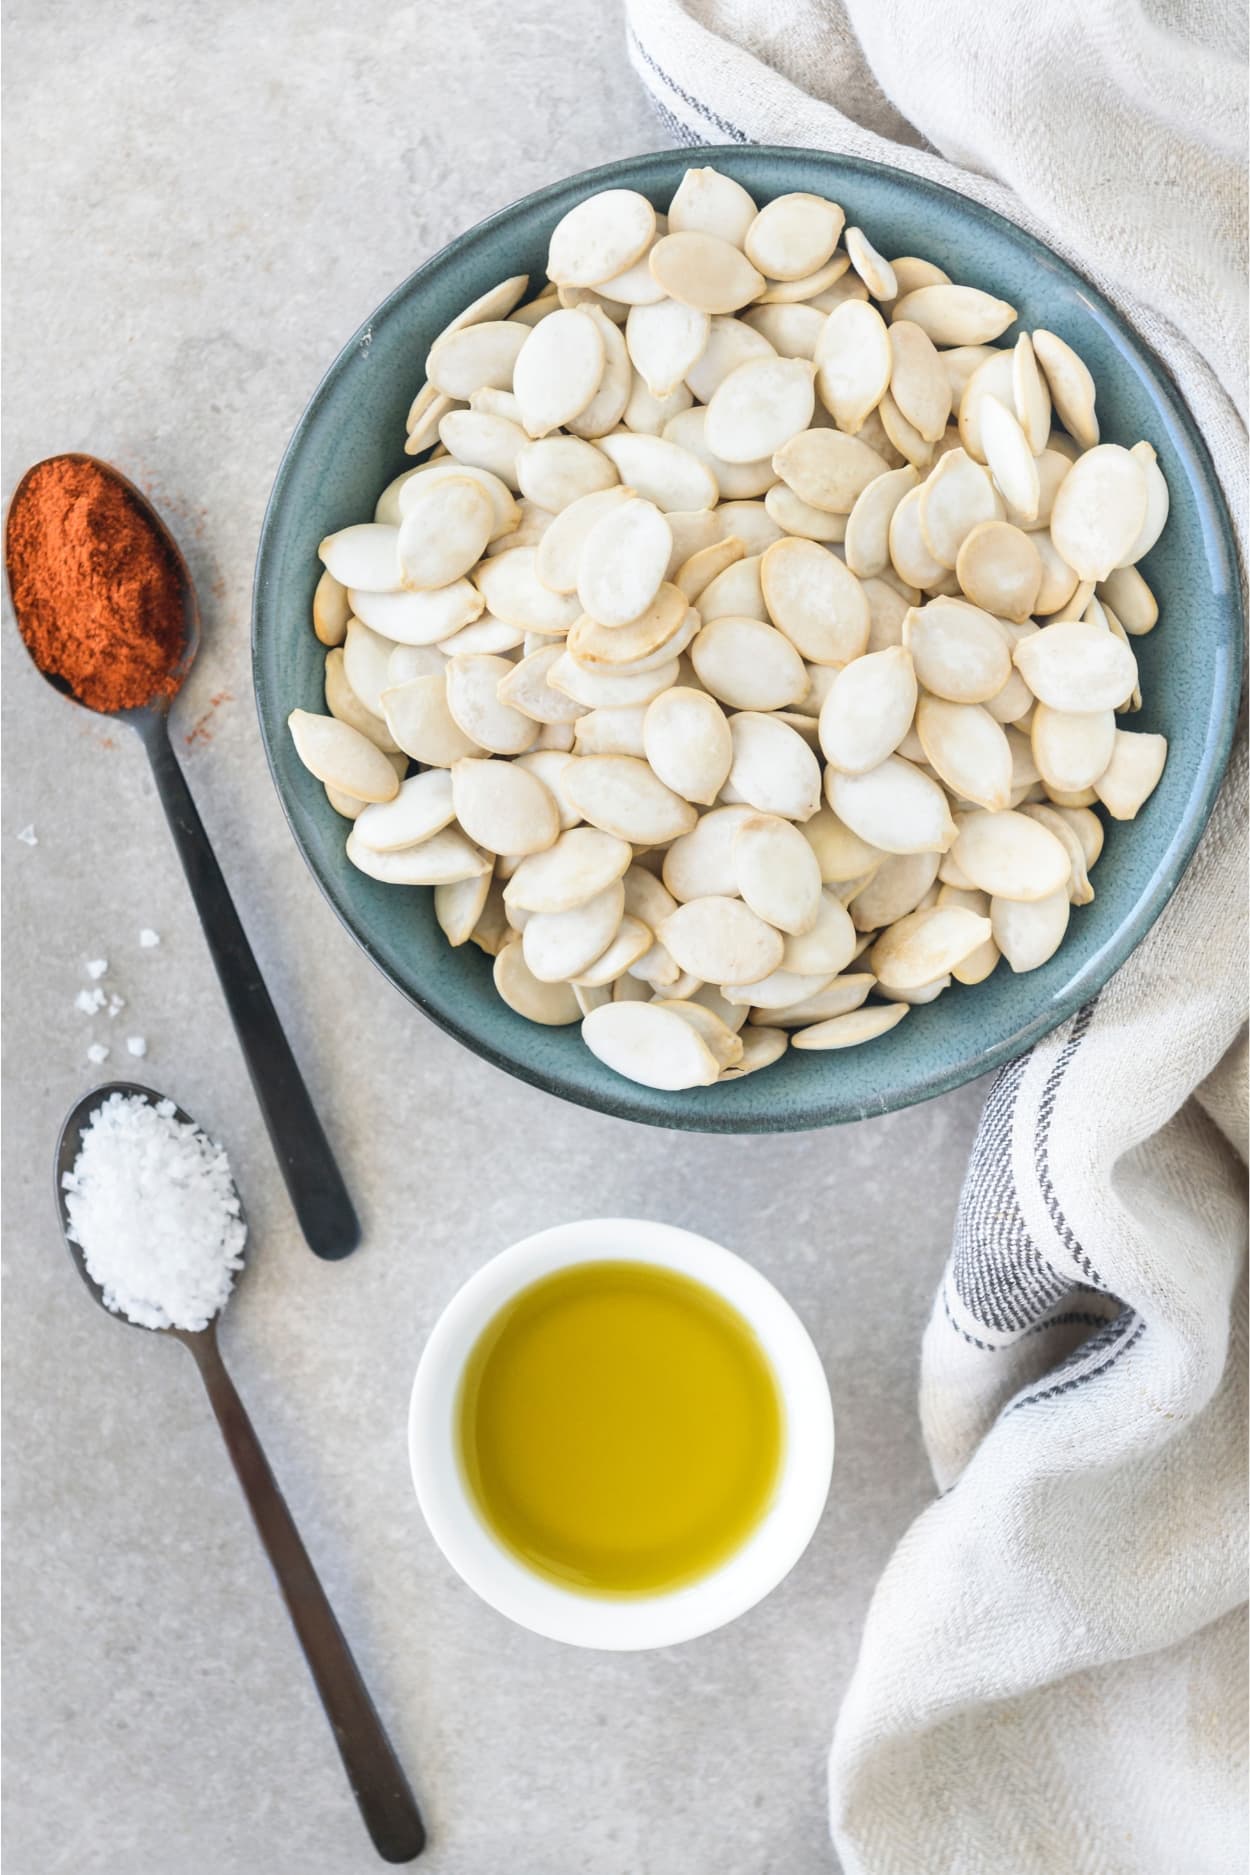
[620,1428]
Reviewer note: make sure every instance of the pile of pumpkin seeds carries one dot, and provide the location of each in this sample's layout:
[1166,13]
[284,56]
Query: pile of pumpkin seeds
[758,621]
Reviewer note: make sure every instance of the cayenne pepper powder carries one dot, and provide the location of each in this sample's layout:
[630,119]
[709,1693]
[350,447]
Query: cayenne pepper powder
[98,592]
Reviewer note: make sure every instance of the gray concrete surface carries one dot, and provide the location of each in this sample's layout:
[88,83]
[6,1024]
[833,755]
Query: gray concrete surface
[201,204]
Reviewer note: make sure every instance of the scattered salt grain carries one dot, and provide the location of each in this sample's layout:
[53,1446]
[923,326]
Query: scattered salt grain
[97,1053]
[89,1001]
[116,1005]
[28,837]
[97,967]
[136,1045]
[152,1202]
[149,939]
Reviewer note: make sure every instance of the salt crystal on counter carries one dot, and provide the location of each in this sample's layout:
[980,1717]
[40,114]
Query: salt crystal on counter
[89,1001]
[116,1005]
[136,1045]
[152,1202]
[28,836]
[97,1053]
[97,967]
[149,939]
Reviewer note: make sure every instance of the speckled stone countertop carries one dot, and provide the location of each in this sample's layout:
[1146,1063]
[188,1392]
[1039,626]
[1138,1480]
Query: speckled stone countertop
[201,205]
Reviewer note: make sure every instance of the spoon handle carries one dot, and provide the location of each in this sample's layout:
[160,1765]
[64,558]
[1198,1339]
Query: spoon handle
[324,1210]
[386,1802]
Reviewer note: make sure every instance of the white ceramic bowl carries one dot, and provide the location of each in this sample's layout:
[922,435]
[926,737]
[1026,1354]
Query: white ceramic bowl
[621,1623]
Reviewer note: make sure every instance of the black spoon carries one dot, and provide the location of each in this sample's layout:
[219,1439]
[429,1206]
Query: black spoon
[374,1772]
[325,1212]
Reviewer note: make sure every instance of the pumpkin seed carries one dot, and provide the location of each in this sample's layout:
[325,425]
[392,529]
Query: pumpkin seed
[664,341]
[1059,582]
[639,644]
[721,1040]
[956,315]
[686,740]
[736,480]
[485,634]
[558,557]
[895,806]
[1052,466]
[582,863]
[994,377]
[558,370]
[475,707]
[514,593]
[899,885]
[873,269]
[853,363]
[503,807]
[793,235]
[444,858]
[868,524]
[925,945]
[774,771]
[1071,387]
[815,600]
[661,472]
[918,385]
[1134,604]
[507,514]
[632,941]
[735,593]
[343,703]
[838,998]
[959,652]
[365,556]
[560,945]
[777,873]
[605,690]
[650,1044]
[423,806]
[707,202]
[705,272]
[366,658]
[475,357]
[607,406]
[1071,751]
[444,533]
[1132,774]
[800,519]
[730,343]
[828,469]
[1028,934]
[861,1025]
[1099,510]
[549,766]
[526,688]
[423,430]
[552,1004]
[1158,502]
[761,1047]
[341,757]
[697,573]
[556,472]
[721,940]
[701,864]
[656,969]
[957,498]
[759,407]
[418,718]
[647,413]
[967,750]
[1010,857]
[496,303]
[611,732]
[748,665]
[1077,667]
[909,555]
[779,990]
[847,286]
[621,795]
[1000,569]
[631,989]
[1080,891]
[1030,396]
[1010,459]
[868,710]
[828,945]
[330,610]
[840,854]
[792,330]
[458,906]
[600,237]
[621,570]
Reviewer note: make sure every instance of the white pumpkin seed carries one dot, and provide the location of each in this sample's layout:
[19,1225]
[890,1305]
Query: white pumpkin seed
[1000,569]
[799,518]
[993,377]
[664,341]
[600,237]
[622,566]
[873,269]
[496,303]
[925,945]
[622,795]
[1030,395]
[443,859]
[838,998]
[419,618]
[793,331]
[686,740]
[840,854]
[1077,667]
[647,413]
[556,472]
[861,1025]
[736,480]
[967,750]
[557,560]
[868,524]
[558,370]
[526,688]
[330,610]
[475,357]
[793,235]
[1132,600]
[895,806]
[458,906]
[909,555]
[550,767]
[560,945]
[759,407]
[777,873]
[868,710]
[607,406]
[959,652]
[721,940]
[423,429]
[1059,582]
[611,732]
[341,757]
[899,885]
[475,706]
[1029,934]
[507,514]
[514,593]
[552,1004]
[957,498]
[730,343]
[1010,857]
[701,863]
[422,725]
[735,593]
[631,942]
[343,703]
[503,808]
[918,384]
[815,600]
[1071,752]
[906,442]
[829,944]
[827,469]
[649,1044]
[1071,387]
[697,573]
[1132,774]
[422,807]
[720,1039]
[956,315]
[606,690]
[1010,459]
[661,472]
[364,556]
[705,272]
[748,665]
[707,202]
[444,532]
[582,863]
[853,363]
[1158,502]
[1099,510]
[774,770]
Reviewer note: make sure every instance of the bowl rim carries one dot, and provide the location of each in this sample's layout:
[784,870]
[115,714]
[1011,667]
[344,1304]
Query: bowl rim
[622,1623]
[630,1102]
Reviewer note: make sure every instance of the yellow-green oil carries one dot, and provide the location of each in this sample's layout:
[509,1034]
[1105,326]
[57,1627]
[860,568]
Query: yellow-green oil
[620,1428]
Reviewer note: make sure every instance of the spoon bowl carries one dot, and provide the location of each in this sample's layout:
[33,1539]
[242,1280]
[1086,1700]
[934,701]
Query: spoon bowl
[68,1147]
[387,1805]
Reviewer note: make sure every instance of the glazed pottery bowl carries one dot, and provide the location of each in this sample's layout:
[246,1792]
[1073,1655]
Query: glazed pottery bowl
[349,443]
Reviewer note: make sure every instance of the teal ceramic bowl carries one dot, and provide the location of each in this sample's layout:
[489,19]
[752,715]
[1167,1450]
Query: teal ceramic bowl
[349,443]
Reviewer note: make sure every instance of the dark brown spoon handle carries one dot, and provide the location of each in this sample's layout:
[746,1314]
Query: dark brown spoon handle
[314,1181]
[374,1772]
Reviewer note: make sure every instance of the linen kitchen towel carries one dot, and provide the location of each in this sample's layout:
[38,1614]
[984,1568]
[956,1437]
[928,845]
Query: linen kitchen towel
[1051,1679]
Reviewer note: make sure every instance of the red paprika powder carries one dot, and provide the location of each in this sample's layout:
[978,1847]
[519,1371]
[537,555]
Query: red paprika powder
[97,589]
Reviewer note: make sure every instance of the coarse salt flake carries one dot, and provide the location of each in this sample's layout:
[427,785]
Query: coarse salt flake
[97,1053]
[97,967]
[152,1202]
[89,1001]
[148,938]
[136,1045]
[116,1005]
[28,836]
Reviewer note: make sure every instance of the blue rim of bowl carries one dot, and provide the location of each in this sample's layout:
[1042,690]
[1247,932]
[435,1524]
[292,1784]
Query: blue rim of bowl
[630,1103]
